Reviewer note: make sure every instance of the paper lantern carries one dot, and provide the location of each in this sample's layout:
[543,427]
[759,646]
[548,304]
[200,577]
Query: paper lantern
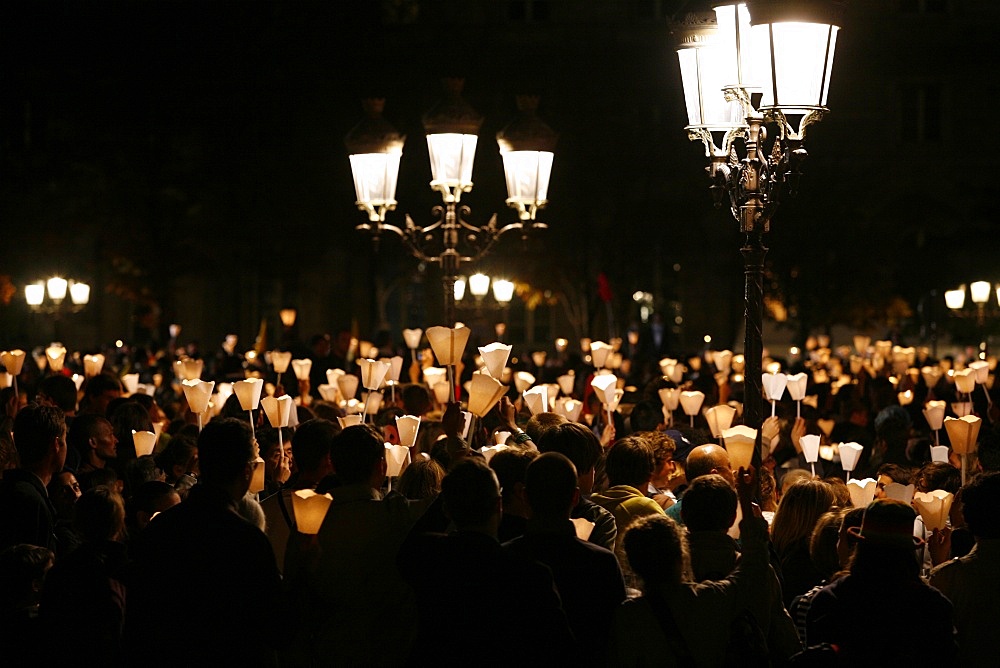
[333,374]
[965,380]
[348,386]
[407,426]
[861,343]
[939,453]
[569,409]
[599,351]
[905,398]
[412,338]
[92,365]
[329,393]
[310,510]
[810,447]
[248,392]
[740,442]
[77,380]
[396,458]
[566,383]
[774,385]
[850,453]
[349,421]
[373,402]
[13,361]
[862,491]
[277,410]
[395,368]
[797,384]
[899,492]
[55,355]
[302,368]
[883,349]
[963,433]
[671,397]
[280,359]
[495,358]
[198,393]
[257,478]
[189,369]
[931,375]
[934,414]
[723,360]
[130,381]
[826,426]
[934,507]
[720,418]
[691,402]
[537,399]
[144,441]
[448,343]
[484,393]
[490,450]
[981,371]
[961,408]
[605,385]
[373,373]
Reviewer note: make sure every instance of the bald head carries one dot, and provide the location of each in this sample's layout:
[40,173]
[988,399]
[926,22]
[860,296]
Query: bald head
[707,459]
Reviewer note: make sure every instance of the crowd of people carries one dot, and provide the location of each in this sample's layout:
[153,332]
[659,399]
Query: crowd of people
[621,535]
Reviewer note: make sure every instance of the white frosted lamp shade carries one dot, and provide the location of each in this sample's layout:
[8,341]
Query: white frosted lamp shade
[442,392]
[980,291]
[412,338]
[740,442]
[861,343]
[144,442]
[92,365]
[691,401]
[277,410]
[302,368]
[198,393]
[280,359]
[980,370]
[131,383]
[939,453]
[965,380]
[850,453]
[395,368]
[375,178]
[526,146]
[248,392]
[495,358]
[448,343]
[329,393]
[452,156]
[373,372]
[719,418]
[605,386]
[523,380]
[797,384]
[566,383]
[55,356]
[257,478]
[479,285]
[793,46]
[13,361]
[963,433]
[407,426]
[484,392]
[905,397]
[599,351]
[349,421]
[934,414]
[503,291]
[810,447]
[670,396]
[459,289]
[396,459]
[79,293]
[569,409]
[537,399]
[310,510]
[955,299]
[862,491]
[774,385]
[56,287]
[899,492]
[934,507]
[348,385]
[34,294]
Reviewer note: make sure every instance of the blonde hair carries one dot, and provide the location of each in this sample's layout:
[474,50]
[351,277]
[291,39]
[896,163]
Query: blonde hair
[798,512]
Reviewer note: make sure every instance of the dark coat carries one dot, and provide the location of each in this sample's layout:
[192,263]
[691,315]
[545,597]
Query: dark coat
[26,512]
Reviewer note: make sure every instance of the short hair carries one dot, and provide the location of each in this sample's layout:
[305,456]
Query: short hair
[179,451]
[709,504]
[901,474]
[938,475]
[82,429]
[629,462]
[573,440]
[61,390]
[147,495]
[540,423]
[980,499]
[421,479]
[100,514]
[470,492]
[101,383]
[35,427]
[312,442]
[663,446]
[225,447]
[646,415]
[550,484]
[511,467]
[416,399]
[657,550]
[355,452]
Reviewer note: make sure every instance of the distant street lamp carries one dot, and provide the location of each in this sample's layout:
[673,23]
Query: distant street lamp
[750,66]
[526,146]
[982,292]
[56,289]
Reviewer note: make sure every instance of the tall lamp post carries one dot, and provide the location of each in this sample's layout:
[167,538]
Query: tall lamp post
[49,297]
[526,146]
[745,68]
[981,293]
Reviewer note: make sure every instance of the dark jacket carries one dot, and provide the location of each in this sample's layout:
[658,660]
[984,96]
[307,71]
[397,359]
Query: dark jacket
[26,512]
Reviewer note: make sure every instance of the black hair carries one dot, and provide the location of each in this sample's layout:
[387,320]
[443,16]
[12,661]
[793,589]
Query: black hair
[35,428]
[225,447]
[709,504]
[355,452]
[573,440]
[980,500]
[630,462]
[61,390]
[550,484]
[312,442]
[470,493]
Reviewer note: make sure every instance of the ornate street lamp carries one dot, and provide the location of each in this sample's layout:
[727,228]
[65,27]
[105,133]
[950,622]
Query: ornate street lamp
[777,54]
[56,289]
[452,127]
[982,292]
